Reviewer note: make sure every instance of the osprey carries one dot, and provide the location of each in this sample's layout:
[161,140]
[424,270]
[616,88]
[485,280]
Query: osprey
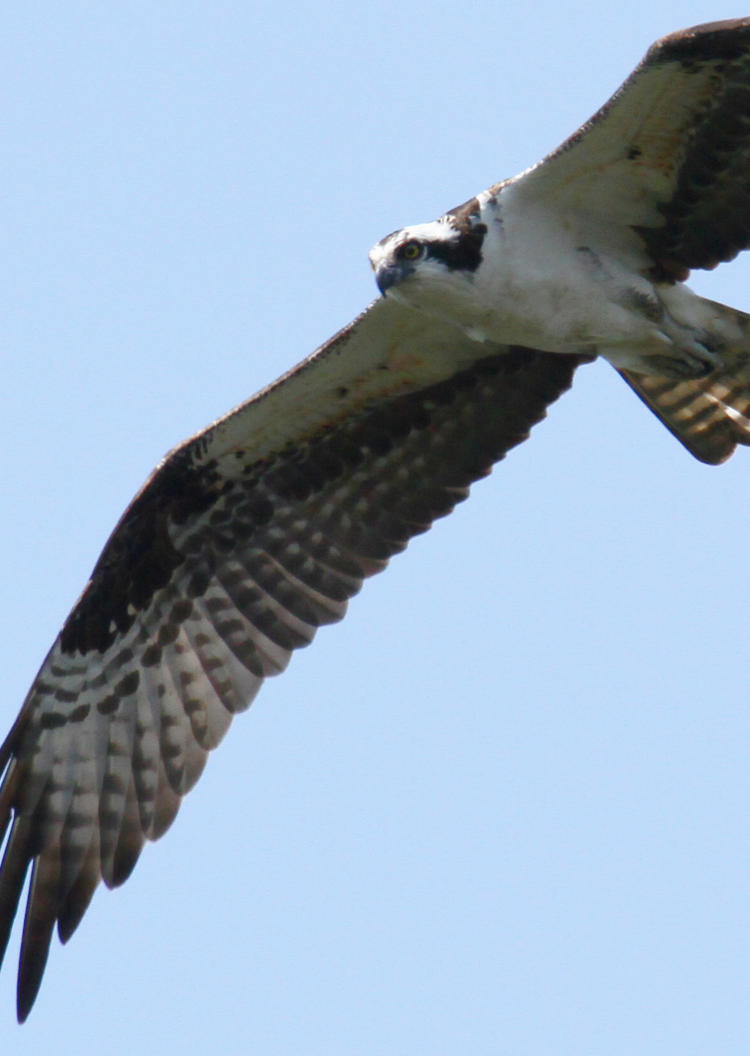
[255,532]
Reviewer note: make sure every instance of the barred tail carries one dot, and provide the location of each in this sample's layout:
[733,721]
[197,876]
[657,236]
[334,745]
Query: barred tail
[709,415]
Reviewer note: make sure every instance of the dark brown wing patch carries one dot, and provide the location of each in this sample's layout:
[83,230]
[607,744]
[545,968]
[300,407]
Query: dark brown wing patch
[707,218]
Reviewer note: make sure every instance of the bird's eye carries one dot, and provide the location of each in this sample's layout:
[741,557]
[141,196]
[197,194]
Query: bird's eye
[410,250]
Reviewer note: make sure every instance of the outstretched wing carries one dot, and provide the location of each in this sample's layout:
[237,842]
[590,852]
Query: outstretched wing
[664,164]
[244,541]
[660,175]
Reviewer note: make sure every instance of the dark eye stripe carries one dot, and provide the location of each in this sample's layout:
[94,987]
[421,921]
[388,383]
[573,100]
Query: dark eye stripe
[464,252]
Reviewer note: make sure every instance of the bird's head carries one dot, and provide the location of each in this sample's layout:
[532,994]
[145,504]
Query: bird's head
[425,255]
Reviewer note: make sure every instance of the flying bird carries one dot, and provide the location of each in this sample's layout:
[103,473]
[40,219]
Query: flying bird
[256,531]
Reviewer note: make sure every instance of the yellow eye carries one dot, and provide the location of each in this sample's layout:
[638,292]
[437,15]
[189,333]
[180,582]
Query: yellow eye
[410,251]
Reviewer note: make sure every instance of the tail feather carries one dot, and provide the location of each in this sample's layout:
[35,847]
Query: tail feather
[709,415]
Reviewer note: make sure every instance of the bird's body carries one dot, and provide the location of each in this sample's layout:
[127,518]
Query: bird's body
[540,285]
[258,530]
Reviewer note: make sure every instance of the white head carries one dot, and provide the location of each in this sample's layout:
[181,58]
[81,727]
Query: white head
[426,255]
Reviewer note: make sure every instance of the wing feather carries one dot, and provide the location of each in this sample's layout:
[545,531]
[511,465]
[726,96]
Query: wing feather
[78,894]
[39,922]
[130,840]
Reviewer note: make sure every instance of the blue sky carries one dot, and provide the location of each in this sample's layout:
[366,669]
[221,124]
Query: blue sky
[502,808]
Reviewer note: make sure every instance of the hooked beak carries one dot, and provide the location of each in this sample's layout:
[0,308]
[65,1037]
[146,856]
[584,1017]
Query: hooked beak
[388,275]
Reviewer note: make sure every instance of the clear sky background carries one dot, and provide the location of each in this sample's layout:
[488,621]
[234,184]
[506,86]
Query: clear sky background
[502,808]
